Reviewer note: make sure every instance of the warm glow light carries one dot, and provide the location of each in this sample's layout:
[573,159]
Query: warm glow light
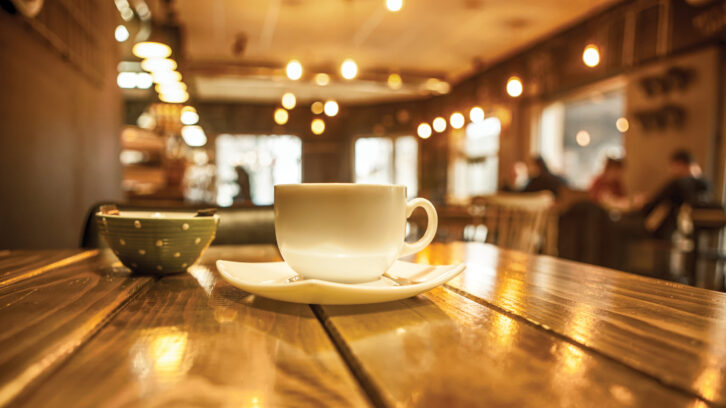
[281,116]
[189,116]
[317,107]
[126,80]
[158,64]
[349,69]
[170,87]
[144,80]
[439,124]
[457,120]
[294,70]
[167,352]
[437,85]
[177,96]
[394,5]
[148,49]
[194,136]
[591,56]
[582,138]
[330,108]
[424,130]
[121,33]
[317,126]
[288,100]
[146,121]
[515,87]
[395,81]
[622,124]
[322,79]
[476,114]
[166,77]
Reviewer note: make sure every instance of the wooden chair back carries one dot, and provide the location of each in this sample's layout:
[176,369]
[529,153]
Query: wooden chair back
[516,220]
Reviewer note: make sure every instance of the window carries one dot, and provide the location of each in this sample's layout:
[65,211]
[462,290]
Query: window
[576,135]
[475,163]
[385,160]
[267,160]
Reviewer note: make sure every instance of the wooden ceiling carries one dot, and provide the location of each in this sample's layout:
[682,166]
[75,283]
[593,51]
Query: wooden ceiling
[236,49]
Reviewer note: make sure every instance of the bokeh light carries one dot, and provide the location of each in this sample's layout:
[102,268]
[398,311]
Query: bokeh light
[348,69]
[158,64]
[582,138]
[457,120]
[150,49]
[322,79]
[476,114]
[394,5]
[439,124]
[591,56]
[424,130]
[395,81]
[331,108]
[281,116]
[294,70]
[317,107]
[514,87]
[288,100]
[121,33]
[622,124]
[194,136]
[189,116]
[317,126]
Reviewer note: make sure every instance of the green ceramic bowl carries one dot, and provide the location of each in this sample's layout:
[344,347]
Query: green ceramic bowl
[154,242]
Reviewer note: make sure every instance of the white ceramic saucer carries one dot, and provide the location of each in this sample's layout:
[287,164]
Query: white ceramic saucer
[271,280]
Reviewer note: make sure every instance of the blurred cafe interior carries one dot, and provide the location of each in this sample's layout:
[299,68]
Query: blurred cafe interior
[590,130]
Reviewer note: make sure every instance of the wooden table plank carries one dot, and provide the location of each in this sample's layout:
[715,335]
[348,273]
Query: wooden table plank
[48,316]
[23,264]
[194,340]
[673,332]
[442,349]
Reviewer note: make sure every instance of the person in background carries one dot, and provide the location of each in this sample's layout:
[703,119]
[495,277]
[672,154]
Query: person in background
[244,196]
[686,186]
[608,191]
[541,178]
[515,178]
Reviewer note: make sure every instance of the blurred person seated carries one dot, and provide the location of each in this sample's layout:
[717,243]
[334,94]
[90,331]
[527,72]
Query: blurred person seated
[608,189]
[244,194]
[541,178]
[516,177]
[686,186]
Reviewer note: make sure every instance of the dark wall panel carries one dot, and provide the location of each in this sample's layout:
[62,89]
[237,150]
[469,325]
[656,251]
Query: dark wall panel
[60,115]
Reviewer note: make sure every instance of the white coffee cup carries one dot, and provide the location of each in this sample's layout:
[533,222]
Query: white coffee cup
[346,233]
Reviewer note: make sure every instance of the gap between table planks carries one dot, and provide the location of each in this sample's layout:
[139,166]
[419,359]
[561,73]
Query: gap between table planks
[671,332]
[23,264]
[194,339]
[52,310]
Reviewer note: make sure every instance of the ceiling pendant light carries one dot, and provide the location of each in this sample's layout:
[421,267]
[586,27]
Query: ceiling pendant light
[348,69]
[294,70]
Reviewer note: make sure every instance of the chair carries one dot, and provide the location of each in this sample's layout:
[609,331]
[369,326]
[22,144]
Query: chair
[517,221]
[237,225]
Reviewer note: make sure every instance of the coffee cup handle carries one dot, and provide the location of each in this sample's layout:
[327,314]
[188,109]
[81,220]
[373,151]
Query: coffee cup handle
[433,223]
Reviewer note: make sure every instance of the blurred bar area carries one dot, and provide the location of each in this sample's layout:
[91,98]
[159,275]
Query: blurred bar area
[590,130]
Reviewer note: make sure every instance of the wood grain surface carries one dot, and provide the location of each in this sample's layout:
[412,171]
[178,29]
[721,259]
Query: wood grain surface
[672,332]
[17,265]
[513,330]
[49,315]
[194,340]
[442,349]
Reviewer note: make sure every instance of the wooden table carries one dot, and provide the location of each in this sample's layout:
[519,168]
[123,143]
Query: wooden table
[514,330]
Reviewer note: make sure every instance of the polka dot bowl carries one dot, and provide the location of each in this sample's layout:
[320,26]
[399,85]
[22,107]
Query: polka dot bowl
[158,243]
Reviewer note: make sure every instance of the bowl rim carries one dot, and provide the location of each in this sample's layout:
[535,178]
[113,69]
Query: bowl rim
[149,215]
